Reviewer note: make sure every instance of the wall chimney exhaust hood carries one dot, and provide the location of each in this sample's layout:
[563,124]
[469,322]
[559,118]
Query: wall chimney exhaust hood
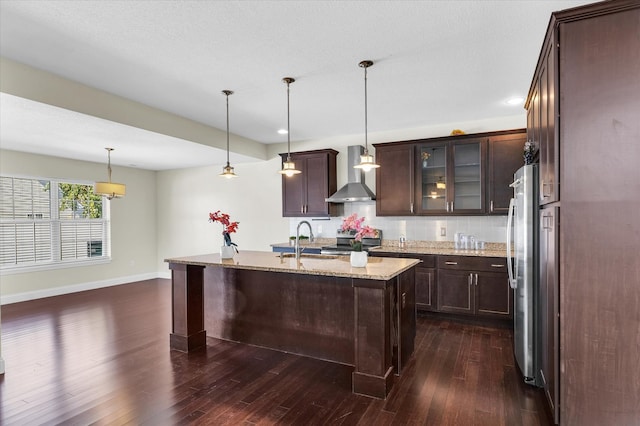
[355,189]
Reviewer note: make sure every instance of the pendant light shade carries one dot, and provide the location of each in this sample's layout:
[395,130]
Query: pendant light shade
[227,171]
[366,160]
[109,189]
[288,167]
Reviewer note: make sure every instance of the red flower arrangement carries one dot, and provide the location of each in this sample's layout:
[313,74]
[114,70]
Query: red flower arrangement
[354,224]
[228,227]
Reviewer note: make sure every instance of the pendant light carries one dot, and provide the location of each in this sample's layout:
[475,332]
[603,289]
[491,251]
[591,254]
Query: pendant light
[288,167]
[109,189]
[227,171]
[366,160]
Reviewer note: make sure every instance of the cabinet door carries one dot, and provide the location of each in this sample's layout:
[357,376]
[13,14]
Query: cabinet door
[406,310]
[294,192]
[316,172]
[433,186]
[549,307]
[548,143]
[494,297]
[394,180]
[455,292]
[426,289]
[468,185]
[304,194]
[505,157]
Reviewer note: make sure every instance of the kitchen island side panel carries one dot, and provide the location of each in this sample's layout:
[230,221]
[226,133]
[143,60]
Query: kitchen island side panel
[309,315]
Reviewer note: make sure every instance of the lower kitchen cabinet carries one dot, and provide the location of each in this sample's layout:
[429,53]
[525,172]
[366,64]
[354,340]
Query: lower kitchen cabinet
[474,286]
[425,278]
[425,288]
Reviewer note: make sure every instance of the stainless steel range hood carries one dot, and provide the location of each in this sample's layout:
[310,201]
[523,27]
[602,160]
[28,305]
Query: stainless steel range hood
[355,189]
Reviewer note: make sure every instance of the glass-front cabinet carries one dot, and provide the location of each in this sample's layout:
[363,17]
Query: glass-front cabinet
[433,178]
[451,177]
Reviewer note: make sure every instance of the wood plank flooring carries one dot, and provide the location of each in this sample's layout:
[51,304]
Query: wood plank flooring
[103,357]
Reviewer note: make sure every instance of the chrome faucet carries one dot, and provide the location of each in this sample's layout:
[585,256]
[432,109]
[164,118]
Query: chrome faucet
[297,246]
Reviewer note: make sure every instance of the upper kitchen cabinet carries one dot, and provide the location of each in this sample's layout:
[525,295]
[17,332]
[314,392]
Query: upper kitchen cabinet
[394,179]
[304,194]
[505,157]
[541,117]
[451,176]
[461,175]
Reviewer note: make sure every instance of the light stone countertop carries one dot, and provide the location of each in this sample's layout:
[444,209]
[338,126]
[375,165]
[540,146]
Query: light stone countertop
[417,247]
[378,268]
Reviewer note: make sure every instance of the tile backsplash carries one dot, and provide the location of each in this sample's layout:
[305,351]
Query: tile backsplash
[416,228]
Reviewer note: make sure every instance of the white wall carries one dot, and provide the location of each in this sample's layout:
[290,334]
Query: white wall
[187,196]
[165,214]
[133,229]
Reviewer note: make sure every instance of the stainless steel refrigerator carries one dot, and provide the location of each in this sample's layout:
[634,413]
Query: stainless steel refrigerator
[522,245]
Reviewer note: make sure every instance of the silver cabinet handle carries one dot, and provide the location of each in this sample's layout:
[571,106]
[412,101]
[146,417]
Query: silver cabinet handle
[470,279]
[476,279]
[302,209]
[491,206]
[411,207]
[451,263]
[404,300]
[446,204]
[452,207]
[494,265]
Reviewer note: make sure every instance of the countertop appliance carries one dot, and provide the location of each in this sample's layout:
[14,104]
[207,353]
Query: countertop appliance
[344,239]
[522,243]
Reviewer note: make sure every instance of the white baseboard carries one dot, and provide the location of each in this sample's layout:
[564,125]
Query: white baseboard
[57,291]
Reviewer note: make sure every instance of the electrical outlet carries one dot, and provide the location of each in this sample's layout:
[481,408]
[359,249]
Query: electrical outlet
[319,229]
[443,231]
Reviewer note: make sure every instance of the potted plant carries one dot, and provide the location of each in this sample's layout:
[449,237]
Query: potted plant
[228,248]
[353,224]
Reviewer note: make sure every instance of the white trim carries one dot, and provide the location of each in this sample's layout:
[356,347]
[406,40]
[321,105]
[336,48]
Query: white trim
[57,291]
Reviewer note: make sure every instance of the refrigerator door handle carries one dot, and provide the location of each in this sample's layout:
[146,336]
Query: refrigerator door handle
[512,205]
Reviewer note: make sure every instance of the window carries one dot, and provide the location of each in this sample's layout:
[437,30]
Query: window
[50,223]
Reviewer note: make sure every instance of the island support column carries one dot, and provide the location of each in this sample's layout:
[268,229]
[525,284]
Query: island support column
[373,370]
[187,314]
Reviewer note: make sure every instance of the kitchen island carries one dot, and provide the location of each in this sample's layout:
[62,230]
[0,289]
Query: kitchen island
[317,306]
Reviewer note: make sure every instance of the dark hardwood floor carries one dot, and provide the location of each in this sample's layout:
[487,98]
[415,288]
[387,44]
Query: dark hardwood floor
[103,357]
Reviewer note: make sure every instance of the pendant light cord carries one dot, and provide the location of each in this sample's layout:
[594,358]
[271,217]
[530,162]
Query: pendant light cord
[109,162]
[227,93]
[288,125]
[366,141]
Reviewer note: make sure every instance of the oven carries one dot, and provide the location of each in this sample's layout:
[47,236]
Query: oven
[344,239]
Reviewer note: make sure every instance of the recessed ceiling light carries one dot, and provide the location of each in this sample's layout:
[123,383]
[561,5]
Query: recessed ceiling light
[282,132]
[516,100]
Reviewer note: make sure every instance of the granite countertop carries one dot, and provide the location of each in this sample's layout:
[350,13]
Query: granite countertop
[442,248]
[378,268]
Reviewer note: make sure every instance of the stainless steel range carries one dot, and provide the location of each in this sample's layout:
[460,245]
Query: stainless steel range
[344,239]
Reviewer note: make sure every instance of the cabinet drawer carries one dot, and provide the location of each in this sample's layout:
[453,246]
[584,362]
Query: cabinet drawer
[472,263]
[428,260]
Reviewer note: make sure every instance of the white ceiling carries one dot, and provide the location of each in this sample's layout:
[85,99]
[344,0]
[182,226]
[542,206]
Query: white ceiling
[434,62]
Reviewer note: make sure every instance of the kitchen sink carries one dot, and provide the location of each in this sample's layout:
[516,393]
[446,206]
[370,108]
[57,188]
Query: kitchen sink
[308,256]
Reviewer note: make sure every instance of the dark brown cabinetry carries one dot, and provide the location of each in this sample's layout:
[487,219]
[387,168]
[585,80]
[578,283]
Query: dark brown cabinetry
[582,110]
[505,157]
[425,278]
[394,180]
[453,175]
[304,194]
[474,286]
[469,285]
